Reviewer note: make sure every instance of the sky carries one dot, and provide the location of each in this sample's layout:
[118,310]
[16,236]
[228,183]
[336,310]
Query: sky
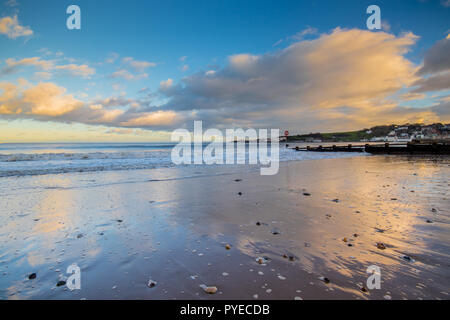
[137,70]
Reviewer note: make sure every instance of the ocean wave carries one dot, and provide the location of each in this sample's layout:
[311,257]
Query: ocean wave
[39,162]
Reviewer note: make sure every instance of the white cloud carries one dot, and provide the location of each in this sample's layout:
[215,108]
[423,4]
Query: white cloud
[11,3]
[138,66]
[127,75]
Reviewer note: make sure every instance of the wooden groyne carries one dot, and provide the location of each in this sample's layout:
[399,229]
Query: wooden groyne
[410,148]
[386,148]
[333,148]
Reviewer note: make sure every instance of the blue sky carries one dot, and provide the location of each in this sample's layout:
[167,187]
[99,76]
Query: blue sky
[129,48]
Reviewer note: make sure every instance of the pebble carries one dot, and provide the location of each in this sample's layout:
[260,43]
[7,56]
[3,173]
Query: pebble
[298,298]
[227,246]
[408,258]
[261,260]
[151,283]
[306,194]
[281,277]
[60,283]
[326,280]
[381,246]
[209,290]
[32,276]
[275,232]
[387,297]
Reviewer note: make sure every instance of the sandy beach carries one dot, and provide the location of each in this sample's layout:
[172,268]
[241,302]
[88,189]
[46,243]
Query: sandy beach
[315,219]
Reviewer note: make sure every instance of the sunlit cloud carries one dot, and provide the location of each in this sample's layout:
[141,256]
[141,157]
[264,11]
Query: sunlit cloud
[345,79]
[13,66]
[10,27]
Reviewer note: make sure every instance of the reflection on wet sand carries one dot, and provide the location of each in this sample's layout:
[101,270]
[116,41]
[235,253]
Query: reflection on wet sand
[315,220]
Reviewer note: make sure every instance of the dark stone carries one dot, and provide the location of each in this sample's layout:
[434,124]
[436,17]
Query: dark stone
[258,223]
[61,283]
[429,221]
[407,258]
[350,245]
[291,258]
[238,180]
[80,236]
[119,220]
[326,280]
[306,194]
[381,246]
[363,289]
[335,200]
[240,193]
[32,276]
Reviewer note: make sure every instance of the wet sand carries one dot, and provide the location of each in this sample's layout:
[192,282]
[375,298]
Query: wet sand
[125,227]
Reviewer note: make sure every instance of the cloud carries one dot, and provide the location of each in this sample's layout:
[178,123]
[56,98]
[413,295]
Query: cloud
[13,65]
[42,75]
[12,29]
[436,82]
[435,69]
[112,57]
[298,36]
[77,70]
[151,119]
[165,85]
[341,80]
[445,3]
[306,83]
[11,3]
[44,99]
[47,101]
[413,96]
[127,75]
[138,66]
[437,58]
